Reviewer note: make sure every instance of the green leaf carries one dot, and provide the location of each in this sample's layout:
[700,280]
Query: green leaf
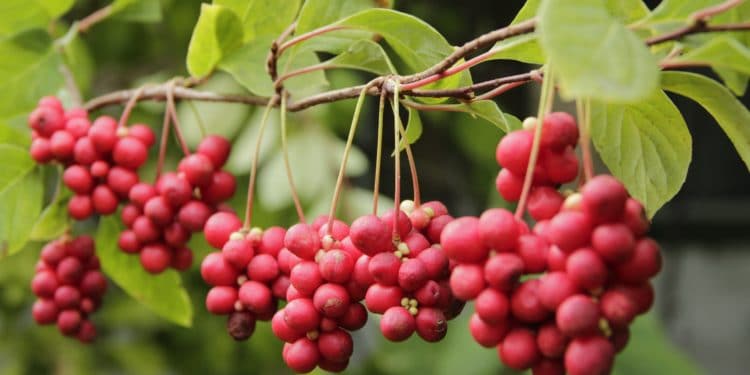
[162,293]
[646,145]
[13,136]
[727,110]
[627,11]
[487,110]
[413,129]
[416,43]
[53,221]
[20,204]
[363,55]
[677,10]
[19,15]
[262,17]
[137,10]
[592,53]
[523,48]
[217,33]
[318,13]
[248,66]
[723,52]
[16,164]
[737,82]
[31,73]
[244,144]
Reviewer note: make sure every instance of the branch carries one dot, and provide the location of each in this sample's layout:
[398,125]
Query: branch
[159,93]
[275,52]
[695,28]
[87,22]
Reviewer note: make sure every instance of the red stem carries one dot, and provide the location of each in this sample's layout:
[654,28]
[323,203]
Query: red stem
[448,72]
[308,35]
[499,90]
[176,121]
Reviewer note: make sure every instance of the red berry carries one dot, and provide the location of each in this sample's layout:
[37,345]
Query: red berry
[301,356]
[336,346]
[569,230]
[78,126]
[518,349]
[198,169]
[103,134]
[533,250]
[467,281]
[397,324]
[40,150]
[287,261]
[548,367]
[604,199]
[643,265]
[104,200]
[554,288]
[175,235]
[403,222]
[561,167]
[142,133]
[46,120]
[331,300]
[216,270]
[589,355]
[93,284]
[614,242]
[435,261]
[642,294]
[620,338]
[384,268]
[182,258]
[145,230]
[302,240]
[502,271]
[69,271]
[361,274]
[85,153]
[432,325]
[130,152]
[69,322]
[176,190]
[195,214]
[220,189]
[121,180]
[78,179]
[240,325]
[587,269]
[282,330]
[412,274]
[354,318]
[158,210]
[155,258]
[415,242]
[544,203]
[462,241]
[635,218]
[435,228]
[577,316]
[81,247]
[280,286]
[559,131]
[306,277]
[336,266]
[141,193]
[67,297]
[238,252]
[618,308]
[219,227]
[256,297]
[370,235]
[53,253]
[526,304]
[514,150]
[216,148]
[272,241]
[380,298]
[428,294]
[44,284]
[44,311]
[263,268]
[220,300]
[485,334]
[80,207]
[498,229]
[551,341]
[51,102]
[301,315]
[492,306]
[509,185]
[61,144]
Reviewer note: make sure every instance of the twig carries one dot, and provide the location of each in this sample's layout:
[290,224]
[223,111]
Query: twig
[275,52]
[87,22]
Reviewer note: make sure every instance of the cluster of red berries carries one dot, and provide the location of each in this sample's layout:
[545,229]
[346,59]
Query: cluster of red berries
[100,159]
[406,271]
[69,287]
[162,217]
[557,163]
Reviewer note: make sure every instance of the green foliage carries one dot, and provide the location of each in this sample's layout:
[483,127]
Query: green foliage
[627,11]
[729,112]
[607,61]
[19,15]
[720,52]
[647,145]
[20,205]
[162,293]
[137,10]
[413,129]
[363,55]
[217,33]
[523,48]
[262,17]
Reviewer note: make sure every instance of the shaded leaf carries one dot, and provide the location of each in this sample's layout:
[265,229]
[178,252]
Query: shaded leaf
[727,110]
[53,221]
[16,164]
[413,128]
[137,10]
[627,11]
[593,54]
[262,17]
[363,55]
[646,145]
[20,204]
[162,293]
[722,52]
[217,33]
[20,15]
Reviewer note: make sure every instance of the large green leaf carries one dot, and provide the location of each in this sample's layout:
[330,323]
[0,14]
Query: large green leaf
[363,55]
[646,145]
[14,136]
[20,204]
[678,10]
[16,164]
[28,71]
[524,47]
[53,221]
[417,44]
[413,128]
[593,54]
[248,66]
[627,11]
[318,13]
[217,34]
[162,293]
[21,15]
[262,17]
[723,52]
[137,10]
[727,110]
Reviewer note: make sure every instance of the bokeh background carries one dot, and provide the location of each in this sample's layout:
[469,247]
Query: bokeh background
[700,324]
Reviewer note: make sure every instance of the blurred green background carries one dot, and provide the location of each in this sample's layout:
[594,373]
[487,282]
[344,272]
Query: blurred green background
[701,323]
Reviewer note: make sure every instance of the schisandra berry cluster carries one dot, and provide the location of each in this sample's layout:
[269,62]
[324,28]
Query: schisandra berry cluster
[101,159]
[69,287]
[161,218]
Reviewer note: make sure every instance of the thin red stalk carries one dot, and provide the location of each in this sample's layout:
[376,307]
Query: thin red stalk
[100,15]
[176,122]
[308,35]
[397,163]
[305,70]
[378,154]
[287,165]
[125,116]
[709,12]
[254,165]
[163,144]
[499,90]
[412,167]
[448,72]
[584,124]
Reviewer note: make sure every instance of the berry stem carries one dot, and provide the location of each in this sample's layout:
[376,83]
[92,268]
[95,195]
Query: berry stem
[545,105]
[499,90]
[254,166]
[449,72]
[396,161]
[412,165]
[583,107]
[287,165]
[345,157]
[175,120]
[308,35]
[378,154]
[305,70]
[125,116]
[162,144]
[196,113]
